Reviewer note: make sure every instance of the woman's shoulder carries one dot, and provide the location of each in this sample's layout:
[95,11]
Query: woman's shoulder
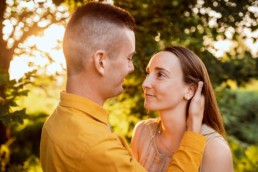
[217,155]
[147,126]
[210,133]
[148,123]
[142,133]
[214,139]
[217,152]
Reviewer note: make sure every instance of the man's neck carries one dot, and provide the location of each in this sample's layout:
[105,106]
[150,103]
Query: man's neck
[84,90]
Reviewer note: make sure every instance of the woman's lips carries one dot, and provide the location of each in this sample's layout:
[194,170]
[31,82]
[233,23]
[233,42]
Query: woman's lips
[148,95]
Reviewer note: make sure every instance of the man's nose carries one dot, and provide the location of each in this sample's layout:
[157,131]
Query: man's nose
[131,67]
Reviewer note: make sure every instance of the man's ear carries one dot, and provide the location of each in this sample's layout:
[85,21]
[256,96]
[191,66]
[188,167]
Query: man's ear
[100,59]
[190,92]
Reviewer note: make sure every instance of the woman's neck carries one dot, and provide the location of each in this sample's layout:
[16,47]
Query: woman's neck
[172,128]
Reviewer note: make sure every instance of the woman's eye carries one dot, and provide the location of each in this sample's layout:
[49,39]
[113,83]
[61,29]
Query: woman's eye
[160,74]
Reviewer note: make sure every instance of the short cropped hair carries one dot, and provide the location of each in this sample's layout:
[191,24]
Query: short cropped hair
[92,27]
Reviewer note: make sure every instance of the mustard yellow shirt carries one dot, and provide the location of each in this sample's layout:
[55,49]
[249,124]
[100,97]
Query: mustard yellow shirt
[76,138]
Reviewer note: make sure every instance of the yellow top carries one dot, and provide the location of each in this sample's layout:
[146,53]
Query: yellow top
[77,138]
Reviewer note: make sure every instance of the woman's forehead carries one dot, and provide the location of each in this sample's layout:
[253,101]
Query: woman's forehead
[164,59]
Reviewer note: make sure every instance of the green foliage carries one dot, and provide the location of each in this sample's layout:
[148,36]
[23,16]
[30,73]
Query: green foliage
[242,68]
[10,112]
[72,4]
[19,151]
[25,148]
[244,157]
[239,109]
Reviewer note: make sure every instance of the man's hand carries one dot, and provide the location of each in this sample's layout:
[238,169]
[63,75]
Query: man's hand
[196,110]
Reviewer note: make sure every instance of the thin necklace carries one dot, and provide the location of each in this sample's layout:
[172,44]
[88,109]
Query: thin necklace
[159,131]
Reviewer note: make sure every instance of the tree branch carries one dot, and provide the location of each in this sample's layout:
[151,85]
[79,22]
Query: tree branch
[2,10]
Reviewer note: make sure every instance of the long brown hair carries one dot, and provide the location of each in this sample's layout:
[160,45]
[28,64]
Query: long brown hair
[194,70]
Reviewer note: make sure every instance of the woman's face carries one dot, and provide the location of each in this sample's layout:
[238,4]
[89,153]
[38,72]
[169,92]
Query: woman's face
[164,88]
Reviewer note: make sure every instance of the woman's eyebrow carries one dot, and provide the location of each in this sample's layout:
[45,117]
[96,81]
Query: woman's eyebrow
[161,69]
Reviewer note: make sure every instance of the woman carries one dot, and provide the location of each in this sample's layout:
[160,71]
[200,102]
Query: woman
[171,81]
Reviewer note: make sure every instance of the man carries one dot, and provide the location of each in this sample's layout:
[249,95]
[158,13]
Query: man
[99,44]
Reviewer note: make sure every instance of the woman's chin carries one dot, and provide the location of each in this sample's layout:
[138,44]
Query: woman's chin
[148,107]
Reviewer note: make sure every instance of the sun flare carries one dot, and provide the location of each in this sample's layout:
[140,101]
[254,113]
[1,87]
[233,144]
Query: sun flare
[49,43]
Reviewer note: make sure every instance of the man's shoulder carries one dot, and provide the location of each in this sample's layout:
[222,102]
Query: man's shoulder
[74,135]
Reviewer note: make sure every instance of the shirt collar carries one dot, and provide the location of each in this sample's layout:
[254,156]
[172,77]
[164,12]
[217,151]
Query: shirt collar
[84,104]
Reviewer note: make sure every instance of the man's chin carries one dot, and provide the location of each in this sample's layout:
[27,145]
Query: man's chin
[118,91]
[121,90]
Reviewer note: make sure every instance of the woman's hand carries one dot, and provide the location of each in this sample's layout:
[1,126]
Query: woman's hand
[196,110]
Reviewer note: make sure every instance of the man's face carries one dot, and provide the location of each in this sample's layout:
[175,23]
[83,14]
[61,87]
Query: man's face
[121,64]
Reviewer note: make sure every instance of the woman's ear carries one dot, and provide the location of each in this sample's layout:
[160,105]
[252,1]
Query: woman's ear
[190,92]
[100,59]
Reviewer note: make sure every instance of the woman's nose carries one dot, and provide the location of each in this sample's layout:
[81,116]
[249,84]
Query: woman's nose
[147,82]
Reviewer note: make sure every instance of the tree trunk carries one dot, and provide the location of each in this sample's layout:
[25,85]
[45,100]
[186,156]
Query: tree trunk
[5,59]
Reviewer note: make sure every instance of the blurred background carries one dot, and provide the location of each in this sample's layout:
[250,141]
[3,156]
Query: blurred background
[32,68]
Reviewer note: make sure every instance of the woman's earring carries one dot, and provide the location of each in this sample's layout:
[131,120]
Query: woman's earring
[186,98]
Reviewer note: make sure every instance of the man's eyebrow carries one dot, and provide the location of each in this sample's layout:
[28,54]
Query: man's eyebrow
[132,54]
